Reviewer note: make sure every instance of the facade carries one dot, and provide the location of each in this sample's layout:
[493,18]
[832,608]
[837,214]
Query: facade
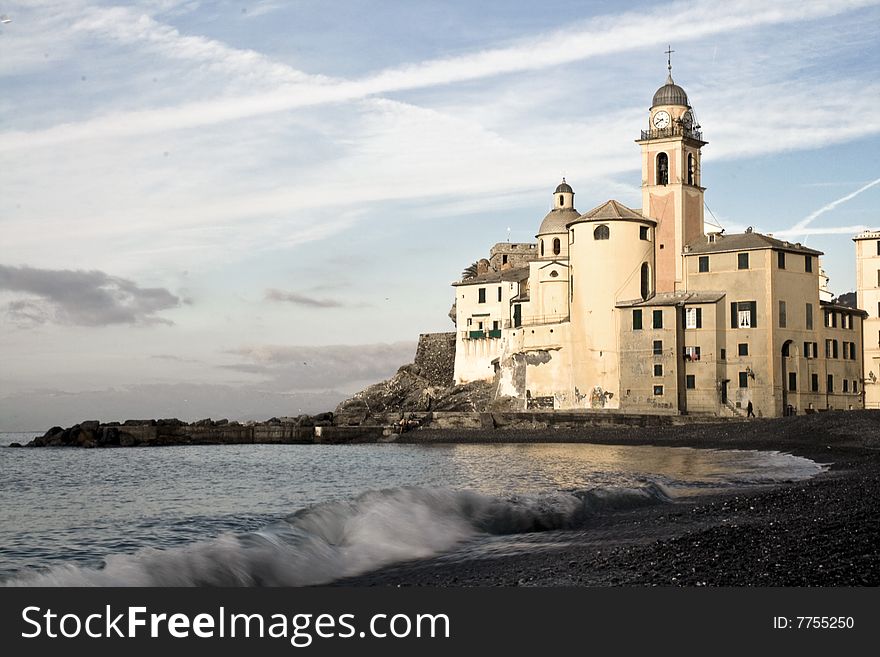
[640,310]
[868,297]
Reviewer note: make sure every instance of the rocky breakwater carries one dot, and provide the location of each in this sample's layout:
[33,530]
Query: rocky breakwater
[151,433]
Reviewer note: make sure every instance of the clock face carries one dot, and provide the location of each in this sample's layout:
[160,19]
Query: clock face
[661,120]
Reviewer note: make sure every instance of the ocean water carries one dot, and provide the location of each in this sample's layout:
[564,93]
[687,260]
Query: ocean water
[307,514]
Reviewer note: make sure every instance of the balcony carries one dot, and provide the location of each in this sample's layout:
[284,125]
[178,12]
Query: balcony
[496,333]
[672,131]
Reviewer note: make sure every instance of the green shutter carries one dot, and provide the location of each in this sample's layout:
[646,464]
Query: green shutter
[733,314]
[753,308]
[699,318]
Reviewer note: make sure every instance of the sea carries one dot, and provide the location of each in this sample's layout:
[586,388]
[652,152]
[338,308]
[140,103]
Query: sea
[296,515]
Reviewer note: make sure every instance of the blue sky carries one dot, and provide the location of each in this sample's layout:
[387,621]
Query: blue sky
[206,205]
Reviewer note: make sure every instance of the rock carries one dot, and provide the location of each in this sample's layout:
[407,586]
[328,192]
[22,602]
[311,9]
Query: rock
[15,444]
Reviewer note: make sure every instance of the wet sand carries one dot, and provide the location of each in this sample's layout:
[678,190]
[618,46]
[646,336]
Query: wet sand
[821,532]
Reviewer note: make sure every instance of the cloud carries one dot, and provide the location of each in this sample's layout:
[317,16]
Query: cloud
[338,367]
[800,228]
[83,298]
[682,21]
[301,299]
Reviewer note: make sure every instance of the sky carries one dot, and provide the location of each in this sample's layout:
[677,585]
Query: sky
[252,209]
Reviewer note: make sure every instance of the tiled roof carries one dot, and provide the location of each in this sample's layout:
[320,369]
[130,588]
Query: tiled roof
[613,210]
[517,274]
[674,299]
[745,242]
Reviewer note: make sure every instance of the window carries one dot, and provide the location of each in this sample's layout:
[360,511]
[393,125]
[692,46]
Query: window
[658,391]
[496,325]
[833,320]
[814,383]
[645,280]
[792,381]
[704,264]
[658,347]
[693,318]
[557,246]
[601,232]
[743,314]
[846,385]
[499,293]
[878,247]
[808,263]
[780,259]
[480,326]
[743,348]
[782,319]
[643,233]
[658,369]
[657,319]
[743,379]
[742,260]
[845,350]
[662,169]
[834,351]
[470,321]
[830,383]
[637,319]
[855,387]
[481,295]
[808,349]
[542,248]
[504,259]
[724,354]
[852,350]
[561,200]
[691,353]
[809,316]
[692,169]
[690,381]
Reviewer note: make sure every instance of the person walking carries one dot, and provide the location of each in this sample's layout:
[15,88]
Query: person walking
[750,410]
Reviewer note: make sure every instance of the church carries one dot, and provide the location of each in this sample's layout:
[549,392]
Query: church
[643,310]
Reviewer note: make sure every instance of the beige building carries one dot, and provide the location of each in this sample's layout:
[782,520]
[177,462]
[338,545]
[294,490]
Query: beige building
[641,310]
[868,297]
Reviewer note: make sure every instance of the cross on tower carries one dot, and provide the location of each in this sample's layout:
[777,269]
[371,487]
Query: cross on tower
[669,58]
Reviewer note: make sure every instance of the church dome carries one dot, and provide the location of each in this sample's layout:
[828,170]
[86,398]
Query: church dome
[670,94]
[557,219]
[564,187]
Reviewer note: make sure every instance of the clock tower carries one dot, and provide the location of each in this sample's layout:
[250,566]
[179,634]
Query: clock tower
[671,191]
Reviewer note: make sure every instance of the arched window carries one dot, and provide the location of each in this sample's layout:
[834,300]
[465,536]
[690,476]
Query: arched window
[561,200]
[542,248]
[601,232]
[557,246]
[662,169]
[692,169]
[646,280]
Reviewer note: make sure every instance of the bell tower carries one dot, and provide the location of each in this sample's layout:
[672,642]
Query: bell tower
[671,190]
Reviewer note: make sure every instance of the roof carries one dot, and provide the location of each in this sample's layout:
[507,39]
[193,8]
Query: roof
[563,188]
[674,299]
[827,305]
[614,211]
[557,220]
[515,274]
[670,94]
[748,241]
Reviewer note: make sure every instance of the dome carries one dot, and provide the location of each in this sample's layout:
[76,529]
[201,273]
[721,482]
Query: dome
[564,187]
[556,220]
[670,94]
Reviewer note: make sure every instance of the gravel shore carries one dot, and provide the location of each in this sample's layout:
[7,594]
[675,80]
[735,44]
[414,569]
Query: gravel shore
[822,532]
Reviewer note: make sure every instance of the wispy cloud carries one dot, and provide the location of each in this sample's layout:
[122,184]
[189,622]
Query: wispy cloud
[801,227]
[682,21]
[84,298]
[301,299]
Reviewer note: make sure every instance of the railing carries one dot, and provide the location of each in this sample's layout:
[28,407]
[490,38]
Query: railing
[672,131]
[481,335]
[537,320]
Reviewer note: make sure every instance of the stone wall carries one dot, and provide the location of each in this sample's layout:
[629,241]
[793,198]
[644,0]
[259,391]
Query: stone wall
[435,358]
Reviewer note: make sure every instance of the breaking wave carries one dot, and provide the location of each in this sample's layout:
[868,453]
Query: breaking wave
[338,539]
